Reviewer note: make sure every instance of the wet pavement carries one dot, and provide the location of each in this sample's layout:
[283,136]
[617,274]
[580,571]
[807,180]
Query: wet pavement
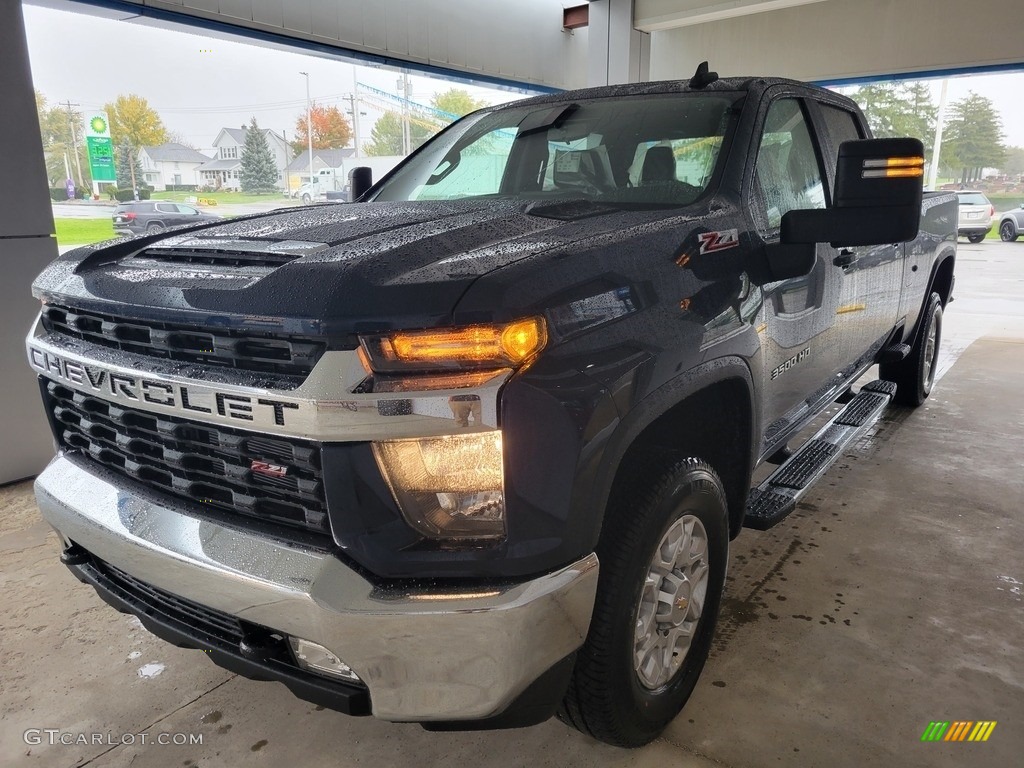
[891,598]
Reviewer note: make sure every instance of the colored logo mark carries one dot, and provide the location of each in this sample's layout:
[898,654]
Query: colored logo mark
[959,730]
[98,125]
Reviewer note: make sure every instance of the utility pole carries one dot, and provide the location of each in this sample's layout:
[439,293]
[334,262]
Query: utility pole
[939,126]
[74,140]
[309,135]
[353,100]
[403,83]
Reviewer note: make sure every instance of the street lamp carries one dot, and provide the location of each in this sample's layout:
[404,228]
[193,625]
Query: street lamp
[309,134]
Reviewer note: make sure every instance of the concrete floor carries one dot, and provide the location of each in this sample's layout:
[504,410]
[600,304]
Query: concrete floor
[890,598]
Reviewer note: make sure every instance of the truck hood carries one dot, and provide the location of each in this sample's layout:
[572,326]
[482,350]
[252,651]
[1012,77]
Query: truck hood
[324,269]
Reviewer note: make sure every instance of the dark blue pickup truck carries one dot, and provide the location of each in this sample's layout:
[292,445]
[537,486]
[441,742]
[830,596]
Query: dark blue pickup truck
[469,451]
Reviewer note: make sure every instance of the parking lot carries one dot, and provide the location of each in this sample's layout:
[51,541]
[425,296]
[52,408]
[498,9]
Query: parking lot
[891,598]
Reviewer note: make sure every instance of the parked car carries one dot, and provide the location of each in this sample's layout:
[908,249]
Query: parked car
[150,216]
[1011,224]
[976,212]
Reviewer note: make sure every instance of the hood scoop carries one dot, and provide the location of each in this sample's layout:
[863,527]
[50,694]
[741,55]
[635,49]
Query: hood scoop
[225,252]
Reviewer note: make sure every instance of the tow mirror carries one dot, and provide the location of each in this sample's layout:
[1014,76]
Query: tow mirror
[359,180]
[877,200]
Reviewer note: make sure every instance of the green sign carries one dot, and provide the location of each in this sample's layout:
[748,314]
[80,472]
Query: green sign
[100,147]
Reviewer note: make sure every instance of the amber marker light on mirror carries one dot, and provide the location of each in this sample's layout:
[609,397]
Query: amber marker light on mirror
[893,167]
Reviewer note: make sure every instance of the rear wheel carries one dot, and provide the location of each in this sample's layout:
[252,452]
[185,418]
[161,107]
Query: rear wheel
[153,227]
[975,238]
[1007,232]
[663,557]
[915,374]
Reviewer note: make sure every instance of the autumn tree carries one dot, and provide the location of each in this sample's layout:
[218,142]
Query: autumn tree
[974,136]
[457,102]
[330,129]
[133,124]
[259,171]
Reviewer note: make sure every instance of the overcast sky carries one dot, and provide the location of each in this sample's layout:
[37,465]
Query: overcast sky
[199,84]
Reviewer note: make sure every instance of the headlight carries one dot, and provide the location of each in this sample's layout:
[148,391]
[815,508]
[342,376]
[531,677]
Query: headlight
[448,487]
[473,346]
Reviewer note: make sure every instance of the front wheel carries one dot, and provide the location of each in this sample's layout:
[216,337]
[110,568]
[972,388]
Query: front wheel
[915,374]
[663,555]
[975,238]
[306,199]
[1007,232]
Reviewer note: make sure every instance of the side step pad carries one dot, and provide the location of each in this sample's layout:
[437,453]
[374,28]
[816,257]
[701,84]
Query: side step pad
[776,497]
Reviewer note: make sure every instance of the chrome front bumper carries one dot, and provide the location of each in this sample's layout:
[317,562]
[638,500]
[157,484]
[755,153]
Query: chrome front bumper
[425,655]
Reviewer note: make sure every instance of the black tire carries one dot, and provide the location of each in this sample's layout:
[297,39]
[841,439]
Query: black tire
[153,227]
[606,698]
[1007,232]
[915,374]
[975,238]
[306,199]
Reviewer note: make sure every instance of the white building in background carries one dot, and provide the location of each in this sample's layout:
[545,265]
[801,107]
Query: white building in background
[171,164]
[224,171]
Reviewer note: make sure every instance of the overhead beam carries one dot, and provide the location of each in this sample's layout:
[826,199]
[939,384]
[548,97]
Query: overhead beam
[657,15]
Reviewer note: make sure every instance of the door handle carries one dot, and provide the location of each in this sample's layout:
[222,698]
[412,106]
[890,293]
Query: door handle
[845,258]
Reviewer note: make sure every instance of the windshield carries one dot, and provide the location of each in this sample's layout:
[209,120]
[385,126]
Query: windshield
[652,150]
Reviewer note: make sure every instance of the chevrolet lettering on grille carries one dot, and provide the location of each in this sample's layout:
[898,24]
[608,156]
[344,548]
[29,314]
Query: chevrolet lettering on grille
[139,389]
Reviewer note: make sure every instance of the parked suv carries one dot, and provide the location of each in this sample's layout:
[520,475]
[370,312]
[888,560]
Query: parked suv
[976,214]
[154,215]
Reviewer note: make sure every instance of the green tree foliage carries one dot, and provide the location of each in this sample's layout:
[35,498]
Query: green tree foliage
[974,136]
[456,101]
[899,109]
[386,134]
[259,172]
[128,167]
[133,124]
[55,128]
[1013,165]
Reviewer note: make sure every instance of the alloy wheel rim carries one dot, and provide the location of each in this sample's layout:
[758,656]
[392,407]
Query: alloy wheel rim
[930,350]
[1006,231]
[671,602]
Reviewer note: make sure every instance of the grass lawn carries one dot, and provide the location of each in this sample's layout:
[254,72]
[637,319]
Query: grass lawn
[221,197]
[83,231]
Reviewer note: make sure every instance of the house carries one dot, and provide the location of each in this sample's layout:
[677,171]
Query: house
[334,162]
[171,165]
[224,171]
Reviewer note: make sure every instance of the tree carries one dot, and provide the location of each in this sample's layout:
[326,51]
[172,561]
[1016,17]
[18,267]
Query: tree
[55,129]
[133,124]
[330,129]
[1013,165]
[386,134]
[899,109]
[974,135]
[456,101]
[174,137]
[127,166]
[259,172]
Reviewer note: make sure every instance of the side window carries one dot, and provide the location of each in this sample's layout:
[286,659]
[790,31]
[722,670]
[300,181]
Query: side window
[841,126]
[166,208]
[187,209]
[787,175]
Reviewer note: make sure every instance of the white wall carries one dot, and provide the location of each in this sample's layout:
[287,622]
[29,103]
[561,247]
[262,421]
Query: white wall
[519,40]
[846,38]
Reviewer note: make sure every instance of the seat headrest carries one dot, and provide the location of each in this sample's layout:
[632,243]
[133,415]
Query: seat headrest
[659,165]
